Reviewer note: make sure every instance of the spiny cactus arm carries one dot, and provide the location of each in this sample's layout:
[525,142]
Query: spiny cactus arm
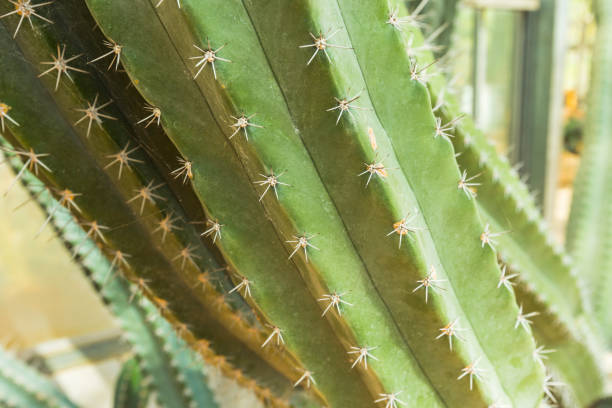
[507,205]
[23,386]
[541,267]
[225,69]
[157,362]
[589,236]
[75,168]
[239,214]
[140,81]
[525,247]
[339,356]
[131,391]
[181,369]
[574,365]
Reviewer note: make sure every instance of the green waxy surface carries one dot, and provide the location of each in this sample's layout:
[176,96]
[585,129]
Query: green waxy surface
[524,245]
[455,229]
[505,203]
[278,147]
[368,213]
[238,90]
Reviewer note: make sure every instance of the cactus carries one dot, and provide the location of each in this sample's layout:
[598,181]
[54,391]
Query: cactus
[341,250]
[588,234]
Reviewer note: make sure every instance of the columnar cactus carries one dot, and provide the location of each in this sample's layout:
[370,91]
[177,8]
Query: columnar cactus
[340,249]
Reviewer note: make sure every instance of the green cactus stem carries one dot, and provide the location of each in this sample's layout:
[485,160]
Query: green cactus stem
[301,137]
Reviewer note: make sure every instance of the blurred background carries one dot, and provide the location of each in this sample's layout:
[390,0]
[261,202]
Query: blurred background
[52,316]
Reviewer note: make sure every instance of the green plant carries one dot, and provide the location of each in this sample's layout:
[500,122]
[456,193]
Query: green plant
[289,199]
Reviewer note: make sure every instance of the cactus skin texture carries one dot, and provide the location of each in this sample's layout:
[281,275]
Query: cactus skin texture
[371,290]
[589,236]
[227,331]
[543,275]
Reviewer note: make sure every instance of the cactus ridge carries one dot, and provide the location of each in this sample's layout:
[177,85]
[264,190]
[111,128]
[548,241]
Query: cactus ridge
[176,371]
[227,67]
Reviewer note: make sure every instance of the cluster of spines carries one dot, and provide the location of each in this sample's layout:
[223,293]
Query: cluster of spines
[303,242]
[496,169]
